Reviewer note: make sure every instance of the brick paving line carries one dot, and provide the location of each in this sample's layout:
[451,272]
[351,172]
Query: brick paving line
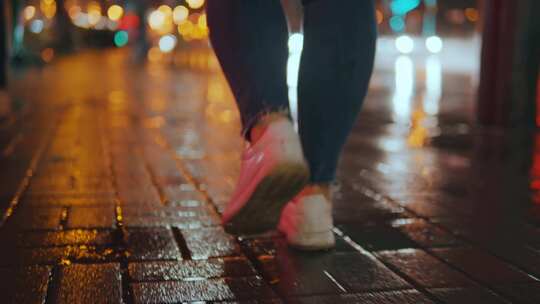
[163,141]
[407,279]
[34,162]
[424,290]
[44,144]
[200,190]
[178,236]
[204,192]
[373,194]
[54,290]
[127,294]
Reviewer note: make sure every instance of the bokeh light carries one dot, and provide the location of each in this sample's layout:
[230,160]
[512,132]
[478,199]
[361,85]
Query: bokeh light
[154,54]
[180,14]
[74,11]
[167,43]
[186,28]
[397,23]
[402,7]
[165,9]
[36,26]
[121,38]
[405,44]
[380,16]
[29,12]
[47,54]
[161,20]
[156,19]
[115,12]
[48,8]
[202,22]
[471,14]
[195,4]
[94,12]
[434,44]
[404,88]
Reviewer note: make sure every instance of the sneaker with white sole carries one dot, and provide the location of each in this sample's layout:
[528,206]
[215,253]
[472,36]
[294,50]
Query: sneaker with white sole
[307,222]
[273,171]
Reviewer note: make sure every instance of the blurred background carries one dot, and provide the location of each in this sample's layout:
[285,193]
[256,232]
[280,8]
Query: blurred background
[42,26]
[422,44]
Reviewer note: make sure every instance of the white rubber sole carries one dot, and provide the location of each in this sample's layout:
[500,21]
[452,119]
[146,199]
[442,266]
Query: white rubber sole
[316,241]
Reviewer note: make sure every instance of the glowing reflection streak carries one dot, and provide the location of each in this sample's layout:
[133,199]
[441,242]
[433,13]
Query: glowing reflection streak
[296,44]
[391,144]
[335,281]
[404,89]
[433,93]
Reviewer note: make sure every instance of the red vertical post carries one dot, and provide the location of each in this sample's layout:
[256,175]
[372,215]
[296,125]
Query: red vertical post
[496,66]
[510,60]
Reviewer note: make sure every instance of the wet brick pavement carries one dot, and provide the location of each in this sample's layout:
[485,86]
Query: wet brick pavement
[112,180]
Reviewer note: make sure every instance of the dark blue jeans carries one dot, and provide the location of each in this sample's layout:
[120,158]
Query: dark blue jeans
[250,40]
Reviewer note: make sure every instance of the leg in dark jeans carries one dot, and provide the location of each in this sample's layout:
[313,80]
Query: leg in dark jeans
[250,41]
[337,62]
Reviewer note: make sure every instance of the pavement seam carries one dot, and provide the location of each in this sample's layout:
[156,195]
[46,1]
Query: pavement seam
[468,276]
[487,250]
[428,250]
[119,231]
[181,242]
[160,140]
[163,142]
[395,270]
[152,175]
[64,217]
[53,285]
[34,162]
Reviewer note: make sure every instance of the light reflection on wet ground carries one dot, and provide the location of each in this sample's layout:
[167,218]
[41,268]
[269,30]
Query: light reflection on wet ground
[132,165]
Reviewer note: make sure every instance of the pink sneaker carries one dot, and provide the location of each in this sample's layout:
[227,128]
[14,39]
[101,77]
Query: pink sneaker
[307,222]
[273,171]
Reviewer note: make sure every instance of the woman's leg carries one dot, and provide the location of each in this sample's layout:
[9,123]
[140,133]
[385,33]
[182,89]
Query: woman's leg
[337,62]
[339,47]
[250,41]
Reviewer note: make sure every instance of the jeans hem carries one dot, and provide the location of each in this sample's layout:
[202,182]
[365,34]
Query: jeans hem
[330,179]
[251,122]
